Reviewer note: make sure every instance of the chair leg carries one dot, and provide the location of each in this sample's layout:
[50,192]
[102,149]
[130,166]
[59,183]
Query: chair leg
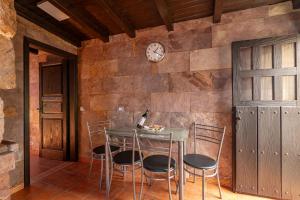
[133,182]
[203,184]
[219,185]
[169,187]
[101,172]
[91,165]
[111,175]
[142,183]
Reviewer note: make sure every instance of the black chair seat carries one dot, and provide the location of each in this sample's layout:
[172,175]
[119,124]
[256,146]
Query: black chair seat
[125,157]
[158,163]
[199,161]
[101,149]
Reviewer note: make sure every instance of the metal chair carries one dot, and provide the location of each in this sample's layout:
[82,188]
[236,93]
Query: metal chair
[96,129]
[127,157]
[208,165]
[159,159]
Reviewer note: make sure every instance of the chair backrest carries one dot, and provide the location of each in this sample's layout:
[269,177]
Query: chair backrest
[123,139]
[209,134]
[155,144]
[96,128]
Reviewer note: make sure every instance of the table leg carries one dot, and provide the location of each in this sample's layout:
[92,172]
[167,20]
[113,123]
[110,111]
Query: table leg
[181,169]
[184,152]
[107,177]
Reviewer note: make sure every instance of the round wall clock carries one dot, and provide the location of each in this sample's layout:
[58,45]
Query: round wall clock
[155,52]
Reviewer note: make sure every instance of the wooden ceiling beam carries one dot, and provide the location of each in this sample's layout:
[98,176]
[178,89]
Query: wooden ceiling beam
[116,17]
[296,4]
[164,13]
[83,18]
[46,24]
[218,9]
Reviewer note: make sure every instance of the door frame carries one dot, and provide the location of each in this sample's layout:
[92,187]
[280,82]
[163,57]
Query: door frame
[72,112]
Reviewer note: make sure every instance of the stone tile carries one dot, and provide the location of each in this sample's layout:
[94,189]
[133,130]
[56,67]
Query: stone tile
[104,102]
[158,118]
[181,120]
[118,84]
[135,102]
[103,69]
[280,8]
[7,162]
[174,62]
[210,59]
[245,15]
[212,101]
[170,102]
[121,119]
[201,80]
[189,40]
[115,50]
[225,34]
[94,86]
[134,66]
[151,83]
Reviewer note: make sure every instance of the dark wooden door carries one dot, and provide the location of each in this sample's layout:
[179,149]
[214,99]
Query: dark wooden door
[246,150]
[53,101]
[269,152]
[290,153]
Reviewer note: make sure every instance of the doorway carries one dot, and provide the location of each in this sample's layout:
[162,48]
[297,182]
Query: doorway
[50,109]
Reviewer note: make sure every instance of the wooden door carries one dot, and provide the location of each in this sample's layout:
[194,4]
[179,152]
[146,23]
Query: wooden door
[269,152]
[290,153]
[246,150]
[53,101]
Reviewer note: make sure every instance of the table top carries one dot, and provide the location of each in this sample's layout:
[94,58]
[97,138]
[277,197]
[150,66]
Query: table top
[179,134]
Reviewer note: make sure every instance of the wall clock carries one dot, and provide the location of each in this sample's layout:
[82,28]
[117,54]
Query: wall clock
[155,52]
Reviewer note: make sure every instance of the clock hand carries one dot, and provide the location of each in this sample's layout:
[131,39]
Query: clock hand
[158,53]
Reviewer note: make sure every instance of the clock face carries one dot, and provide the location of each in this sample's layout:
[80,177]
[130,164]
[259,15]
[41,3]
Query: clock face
[155,52]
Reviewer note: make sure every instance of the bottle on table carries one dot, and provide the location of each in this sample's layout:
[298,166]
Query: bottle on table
[143,119]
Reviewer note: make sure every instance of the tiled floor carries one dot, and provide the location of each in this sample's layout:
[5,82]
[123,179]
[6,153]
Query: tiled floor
[72,183]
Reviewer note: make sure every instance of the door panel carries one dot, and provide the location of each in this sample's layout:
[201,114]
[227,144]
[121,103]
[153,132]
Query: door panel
[246,150]
[291,153]
[53,111]
[269,153]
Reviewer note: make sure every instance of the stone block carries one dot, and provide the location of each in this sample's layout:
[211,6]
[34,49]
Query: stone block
[151,83]
[280,8]
[121,119]
[245,15]
[7,69]
[118,84]
[107,102]
[170,102]
[134,66]
[212,101]
[135,101]
[103,69]
[181,120]
[7,162]
[189,40]
[8,18]
[174,62]
[158,118]
[210,59]
[115,50]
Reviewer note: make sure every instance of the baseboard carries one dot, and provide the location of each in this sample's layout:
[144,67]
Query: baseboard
[16,188]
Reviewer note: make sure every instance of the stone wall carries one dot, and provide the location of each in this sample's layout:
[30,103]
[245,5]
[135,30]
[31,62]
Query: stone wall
[192,83]
[14,98]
